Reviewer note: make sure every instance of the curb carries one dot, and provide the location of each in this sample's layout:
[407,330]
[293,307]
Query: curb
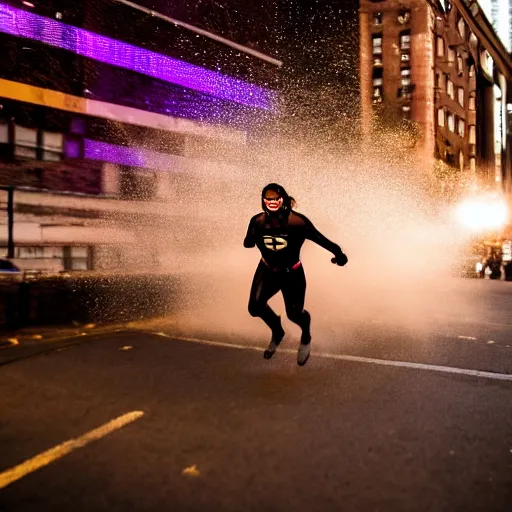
[32,339]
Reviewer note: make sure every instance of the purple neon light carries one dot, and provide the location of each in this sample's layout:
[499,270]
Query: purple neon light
[122,155]
[117,53]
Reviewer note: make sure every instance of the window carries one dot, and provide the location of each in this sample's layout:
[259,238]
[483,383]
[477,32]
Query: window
[406,77]
[39,252]
[405,83]
[451,55]
[404,16]
[25,142]
[440,117]
[405,41]
[4,132]
[460,95]
[472,165]
[34,143]
[377,45]
[74,147]
[76,258]
[440,47]
[472,72]
[461,27]
[405,57]
[377,62]
[486,62]
[377,90]
[472,134]
[406,108]
[472,102]
[52,146]
[447,5]
[449,88]
[460,64]
[451,122]
[442,81]
[377,18]
[461,127]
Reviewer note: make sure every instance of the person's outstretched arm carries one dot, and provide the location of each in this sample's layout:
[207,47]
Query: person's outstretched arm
[250,237]
[314,235]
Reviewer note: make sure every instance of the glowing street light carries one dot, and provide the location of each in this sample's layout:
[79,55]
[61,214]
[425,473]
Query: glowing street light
[483,213]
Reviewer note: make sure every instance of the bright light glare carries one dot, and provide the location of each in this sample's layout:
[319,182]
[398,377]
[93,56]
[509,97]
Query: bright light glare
[483,213]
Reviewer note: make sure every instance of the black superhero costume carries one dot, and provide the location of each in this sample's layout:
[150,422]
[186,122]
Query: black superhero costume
[279,236]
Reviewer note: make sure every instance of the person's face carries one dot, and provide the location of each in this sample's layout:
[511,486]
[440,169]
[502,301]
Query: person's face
[273,201]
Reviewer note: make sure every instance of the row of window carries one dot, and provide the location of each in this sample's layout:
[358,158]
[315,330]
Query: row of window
[403,17]
[377,68]
[452,56]
[34,143]
[405,46]
[456,125]
[67,258]
[405,89]
[444,83]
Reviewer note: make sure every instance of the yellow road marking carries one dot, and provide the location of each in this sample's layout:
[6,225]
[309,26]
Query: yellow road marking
[43,459]
[191,471]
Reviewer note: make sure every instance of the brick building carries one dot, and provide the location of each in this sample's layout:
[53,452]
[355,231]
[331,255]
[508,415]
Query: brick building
[441,65]
[105,112]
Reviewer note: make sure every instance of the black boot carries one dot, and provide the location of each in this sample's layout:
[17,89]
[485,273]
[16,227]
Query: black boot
[305,340]
[277,336]
[305,325]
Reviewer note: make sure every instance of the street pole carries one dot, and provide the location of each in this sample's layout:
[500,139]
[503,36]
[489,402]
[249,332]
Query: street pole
[10,222]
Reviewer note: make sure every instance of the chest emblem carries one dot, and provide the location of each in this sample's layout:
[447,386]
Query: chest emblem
[274,243]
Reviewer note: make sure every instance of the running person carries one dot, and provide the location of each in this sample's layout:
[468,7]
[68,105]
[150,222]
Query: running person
[279,233]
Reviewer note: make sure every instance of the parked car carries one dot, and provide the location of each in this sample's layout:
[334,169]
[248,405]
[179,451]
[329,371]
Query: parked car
[10,271]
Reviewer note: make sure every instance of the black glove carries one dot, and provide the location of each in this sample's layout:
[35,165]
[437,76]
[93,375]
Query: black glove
[340,259]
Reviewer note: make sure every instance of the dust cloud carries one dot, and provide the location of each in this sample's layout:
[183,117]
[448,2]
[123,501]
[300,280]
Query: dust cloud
[371,198]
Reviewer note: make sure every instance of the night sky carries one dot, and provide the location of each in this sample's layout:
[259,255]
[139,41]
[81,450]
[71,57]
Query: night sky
[320,34]
[316,39]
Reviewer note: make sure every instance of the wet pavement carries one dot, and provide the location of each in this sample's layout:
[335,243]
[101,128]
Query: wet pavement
[390,419]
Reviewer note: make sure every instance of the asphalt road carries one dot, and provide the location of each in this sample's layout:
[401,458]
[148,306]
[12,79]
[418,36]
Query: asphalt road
[220,428]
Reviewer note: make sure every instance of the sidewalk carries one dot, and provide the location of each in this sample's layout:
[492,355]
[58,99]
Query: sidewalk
[31,341]
[51,333]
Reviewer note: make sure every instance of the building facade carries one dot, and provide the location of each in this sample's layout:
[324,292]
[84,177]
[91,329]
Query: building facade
[441,65]
[107,112]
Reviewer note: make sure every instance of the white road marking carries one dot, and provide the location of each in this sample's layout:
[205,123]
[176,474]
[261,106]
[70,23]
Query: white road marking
[358,359]
[9,476]
[466,338]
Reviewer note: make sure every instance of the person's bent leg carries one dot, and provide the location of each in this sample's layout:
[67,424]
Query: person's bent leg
[264,286]
[294,293]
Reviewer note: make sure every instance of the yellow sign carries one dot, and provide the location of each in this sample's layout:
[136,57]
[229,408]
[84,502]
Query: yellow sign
[40,96]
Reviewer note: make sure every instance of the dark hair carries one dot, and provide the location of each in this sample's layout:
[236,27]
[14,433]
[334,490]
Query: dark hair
[288,201]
